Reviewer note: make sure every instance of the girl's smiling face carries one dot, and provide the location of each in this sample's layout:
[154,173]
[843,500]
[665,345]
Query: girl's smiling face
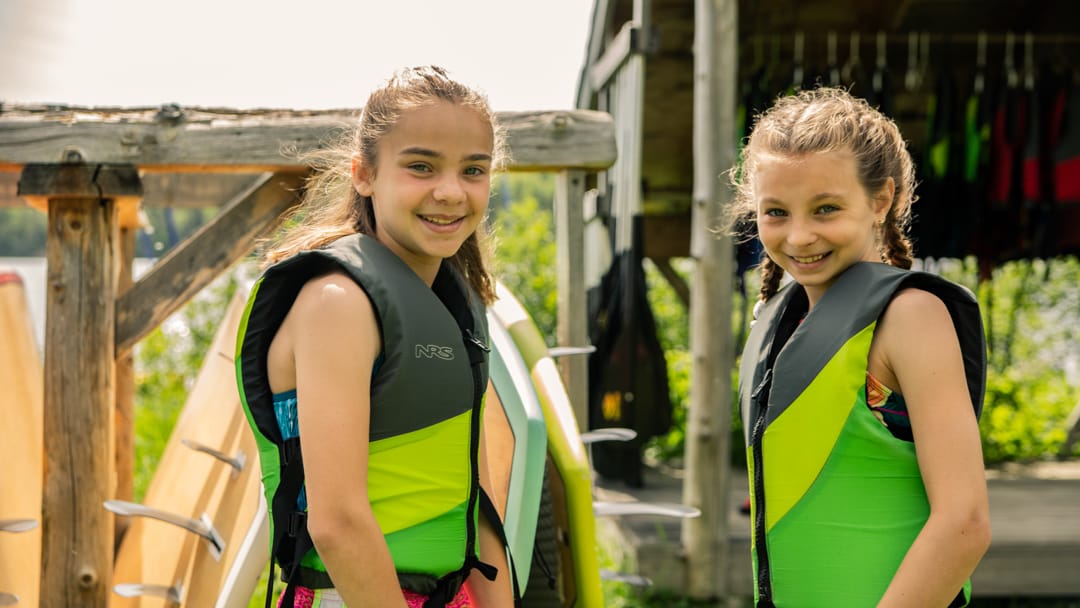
[431,183]
[814,217]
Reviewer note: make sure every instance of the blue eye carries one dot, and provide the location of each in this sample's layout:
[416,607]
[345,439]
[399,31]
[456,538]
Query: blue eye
[421,167]
[825,209]
[475,171]
[775,212]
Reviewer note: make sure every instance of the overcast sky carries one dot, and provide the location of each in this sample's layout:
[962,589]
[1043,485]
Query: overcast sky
[311,54]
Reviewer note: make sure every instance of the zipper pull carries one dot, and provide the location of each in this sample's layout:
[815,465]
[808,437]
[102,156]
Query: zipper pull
[477,341]
[763,388]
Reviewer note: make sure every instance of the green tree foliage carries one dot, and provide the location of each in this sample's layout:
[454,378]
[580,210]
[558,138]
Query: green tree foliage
[524,236]
[1029,312]
[22,232]
[167,363]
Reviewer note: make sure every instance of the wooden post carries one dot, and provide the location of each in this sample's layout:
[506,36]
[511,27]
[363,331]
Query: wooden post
[125,374]
[709,419]
[80,374]
[572,329]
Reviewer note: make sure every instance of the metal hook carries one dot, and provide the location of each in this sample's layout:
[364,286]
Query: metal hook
[17,525]
[170,593]
[202,527]
[237,462]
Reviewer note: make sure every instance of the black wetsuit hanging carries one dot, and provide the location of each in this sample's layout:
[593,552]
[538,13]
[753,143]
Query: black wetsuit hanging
[978,118]
[936,228]
[628,383]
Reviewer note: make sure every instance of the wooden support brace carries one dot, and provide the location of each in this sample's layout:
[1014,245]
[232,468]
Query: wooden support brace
[674,279]
[203,256]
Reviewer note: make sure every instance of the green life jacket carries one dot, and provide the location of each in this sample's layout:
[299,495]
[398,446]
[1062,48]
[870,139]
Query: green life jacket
[426,410]
[836,500]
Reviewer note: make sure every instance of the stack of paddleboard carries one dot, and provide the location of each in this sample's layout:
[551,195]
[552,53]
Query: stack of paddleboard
[21,384]
[200,535]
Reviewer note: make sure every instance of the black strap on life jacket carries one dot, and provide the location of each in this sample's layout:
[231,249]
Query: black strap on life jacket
[291,538]
[488,510]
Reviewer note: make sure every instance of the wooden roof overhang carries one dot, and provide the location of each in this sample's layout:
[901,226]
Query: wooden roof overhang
[666,38]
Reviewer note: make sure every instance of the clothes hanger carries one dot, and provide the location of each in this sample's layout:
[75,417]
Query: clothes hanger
[853,66]
[980,64]
[1029,62]
[881,65]
[912,77]
[832,69]
[798,72]
[1012,77]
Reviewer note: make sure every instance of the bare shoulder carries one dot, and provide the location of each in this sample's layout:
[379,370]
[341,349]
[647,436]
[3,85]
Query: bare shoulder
[917,341]
[334,317]
[330,315]
[332,298]
[916,310]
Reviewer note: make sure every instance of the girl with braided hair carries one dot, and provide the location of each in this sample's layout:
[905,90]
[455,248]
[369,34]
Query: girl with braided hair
[861,381]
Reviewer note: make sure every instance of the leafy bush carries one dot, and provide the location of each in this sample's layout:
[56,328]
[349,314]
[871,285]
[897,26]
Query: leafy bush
[1029,314]
[166,365]
[524,235]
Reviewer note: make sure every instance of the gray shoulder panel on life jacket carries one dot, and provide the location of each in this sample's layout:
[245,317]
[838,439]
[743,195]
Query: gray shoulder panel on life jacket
[425,376]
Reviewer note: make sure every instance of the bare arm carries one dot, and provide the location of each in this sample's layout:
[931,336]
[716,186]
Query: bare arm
[336,340]
[921,350]
[500,592]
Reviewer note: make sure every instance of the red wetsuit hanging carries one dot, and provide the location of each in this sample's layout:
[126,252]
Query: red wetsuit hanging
[1007,138]
[1066,173]
[1044,127]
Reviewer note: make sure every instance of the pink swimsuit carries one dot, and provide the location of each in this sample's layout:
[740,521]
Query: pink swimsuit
[329,598]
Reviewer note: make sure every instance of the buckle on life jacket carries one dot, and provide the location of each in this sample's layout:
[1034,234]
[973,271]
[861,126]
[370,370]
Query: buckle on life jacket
[487,570]
[290,450]
[297,523]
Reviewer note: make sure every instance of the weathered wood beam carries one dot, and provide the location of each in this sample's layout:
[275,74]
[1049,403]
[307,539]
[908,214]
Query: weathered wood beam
[626,43]
[177,190]
[572,329]
[218,141]
[708,430]
[601,18]
[203,256]
[81,247]
[125,384]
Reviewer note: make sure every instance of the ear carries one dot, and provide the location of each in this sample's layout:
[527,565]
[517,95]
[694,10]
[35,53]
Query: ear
[883,199]
[362,177]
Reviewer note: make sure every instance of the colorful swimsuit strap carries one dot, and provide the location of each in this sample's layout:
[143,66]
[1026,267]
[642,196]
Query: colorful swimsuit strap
[889,407]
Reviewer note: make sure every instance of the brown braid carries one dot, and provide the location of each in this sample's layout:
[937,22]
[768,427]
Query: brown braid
[771,273]
[895,245]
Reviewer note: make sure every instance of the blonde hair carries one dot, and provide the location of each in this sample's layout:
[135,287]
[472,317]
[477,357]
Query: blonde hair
[332,208]
[829,119]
